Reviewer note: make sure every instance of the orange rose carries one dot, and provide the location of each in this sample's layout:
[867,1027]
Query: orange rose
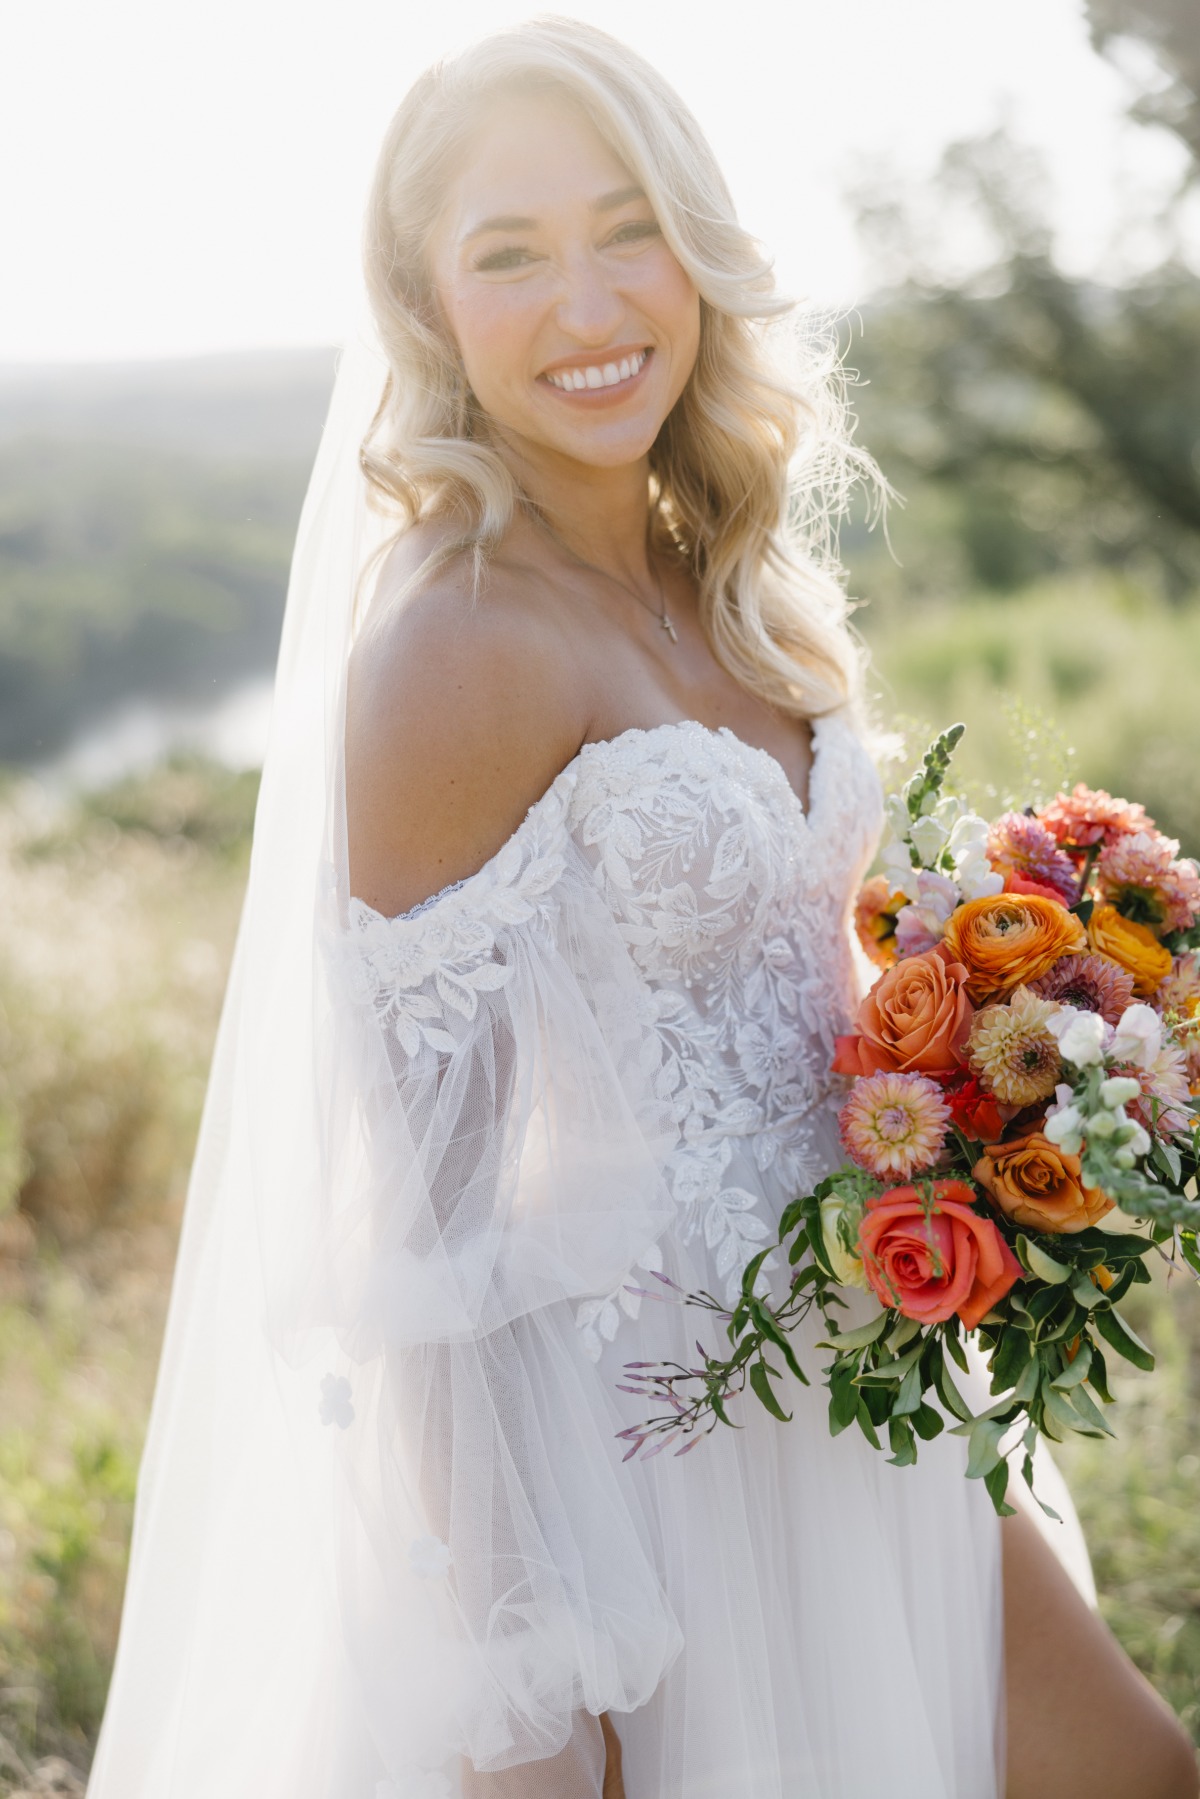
[929,1261]
[1039,1187]
[1132,946]
[915,1019]
[1007,940]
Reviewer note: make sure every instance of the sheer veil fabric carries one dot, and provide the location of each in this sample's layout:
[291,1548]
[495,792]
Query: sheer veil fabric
[385,1546]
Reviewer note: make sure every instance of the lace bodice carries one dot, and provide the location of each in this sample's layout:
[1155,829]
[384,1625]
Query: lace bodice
[732,902]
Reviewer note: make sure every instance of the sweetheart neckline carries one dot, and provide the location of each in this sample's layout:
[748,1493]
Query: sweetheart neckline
[717,733]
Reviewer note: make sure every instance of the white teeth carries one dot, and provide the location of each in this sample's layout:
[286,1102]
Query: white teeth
[574,380]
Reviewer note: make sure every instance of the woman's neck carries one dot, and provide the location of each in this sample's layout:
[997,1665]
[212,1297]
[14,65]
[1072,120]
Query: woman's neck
[601,515]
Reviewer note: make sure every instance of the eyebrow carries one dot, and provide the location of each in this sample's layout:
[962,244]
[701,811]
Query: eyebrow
[620,196]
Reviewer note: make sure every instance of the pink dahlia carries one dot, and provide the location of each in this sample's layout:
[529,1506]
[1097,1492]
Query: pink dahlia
[1178,997]
[894,1125]
[1089,983]
[1088,815]
[1165,1081]
[1022,850]
[1143,878]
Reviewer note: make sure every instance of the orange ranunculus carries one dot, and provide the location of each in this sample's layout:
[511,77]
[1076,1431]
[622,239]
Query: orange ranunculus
[1038,1186]
[929,1260]
[1007,940]
[1132,946]
[915,1019]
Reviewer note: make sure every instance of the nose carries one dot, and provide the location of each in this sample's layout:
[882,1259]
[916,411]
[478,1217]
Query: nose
[589,309]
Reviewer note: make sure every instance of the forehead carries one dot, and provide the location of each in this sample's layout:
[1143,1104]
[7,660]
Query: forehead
[531,154]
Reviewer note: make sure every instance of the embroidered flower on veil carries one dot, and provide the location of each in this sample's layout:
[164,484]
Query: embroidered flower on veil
[429,1557]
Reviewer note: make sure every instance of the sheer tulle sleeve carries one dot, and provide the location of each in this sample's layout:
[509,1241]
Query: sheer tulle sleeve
[496,1154]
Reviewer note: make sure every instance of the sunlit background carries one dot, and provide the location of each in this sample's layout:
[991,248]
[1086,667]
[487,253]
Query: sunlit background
[999,200]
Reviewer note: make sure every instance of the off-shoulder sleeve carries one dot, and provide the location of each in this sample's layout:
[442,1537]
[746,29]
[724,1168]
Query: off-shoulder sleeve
[498,1136]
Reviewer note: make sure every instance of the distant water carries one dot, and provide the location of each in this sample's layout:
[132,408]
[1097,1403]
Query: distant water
[232,730]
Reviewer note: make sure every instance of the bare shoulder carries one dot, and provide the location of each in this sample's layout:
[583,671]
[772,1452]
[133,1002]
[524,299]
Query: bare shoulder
[460,712]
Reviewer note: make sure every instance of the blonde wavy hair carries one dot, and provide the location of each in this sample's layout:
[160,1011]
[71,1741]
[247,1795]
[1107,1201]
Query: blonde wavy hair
[753,467]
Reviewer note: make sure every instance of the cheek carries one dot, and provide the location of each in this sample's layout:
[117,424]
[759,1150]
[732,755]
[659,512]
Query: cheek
[493,330]
[669,295]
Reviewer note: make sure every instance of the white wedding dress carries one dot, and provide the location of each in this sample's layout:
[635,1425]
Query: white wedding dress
[606,1053]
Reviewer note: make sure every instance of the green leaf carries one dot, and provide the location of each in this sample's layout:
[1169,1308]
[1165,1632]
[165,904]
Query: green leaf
[997,1485]
[760,1380]
[927,1422]
[1074,1371]
[1093,1420]
[957,1351]
[1086,1293]
[1057,1412]
[1009,1358]
[887,1372]
[865,1425]
[843,1396]
[1098,1373]
[765,1319]
[750,1273]
[1125,1341]
[903,1445]
[908,1400]
[983,1452]
[864,1334]
[948,1393]
[1040,1264]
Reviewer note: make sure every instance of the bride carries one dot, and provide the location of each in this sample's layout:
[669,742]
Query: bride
[545,948]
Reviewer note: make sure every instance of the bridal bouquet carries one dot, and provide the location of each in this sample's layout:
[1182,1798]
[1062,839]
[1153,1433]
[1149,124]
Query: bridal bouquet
[1021,1128]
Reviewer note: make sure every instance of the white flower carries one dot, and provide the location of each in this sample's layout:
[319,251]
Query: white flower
[968,851]
[1066,1129]
[847,1268]
[1138,1036]
[896,813]
[928,837]
[897,866]
[1135,1138]
[1080,1036]
[968,834]
[429,1557]
[1119,1089]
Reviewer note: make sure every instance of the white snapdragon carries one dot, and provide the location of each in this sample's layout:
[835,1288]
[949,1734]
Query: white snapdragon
[968,851]
[1138,1037]
[1065,1128]
[1119,1089]
[1080,1036]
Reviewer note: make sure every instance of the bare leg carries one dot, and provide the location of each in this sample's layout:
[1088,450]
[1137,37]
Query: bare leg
[1083,1723]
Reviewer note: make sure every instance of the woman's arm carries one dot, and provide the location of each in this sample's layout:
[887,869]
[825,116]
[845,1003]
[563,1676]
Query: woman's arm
[459,716]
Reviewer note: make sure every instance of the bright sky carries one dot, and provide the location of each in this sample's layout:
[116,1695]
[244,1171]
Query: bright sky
[181,178]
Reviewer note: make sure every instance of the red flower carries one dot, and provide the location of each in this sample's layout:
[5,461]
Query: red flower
[974,1110]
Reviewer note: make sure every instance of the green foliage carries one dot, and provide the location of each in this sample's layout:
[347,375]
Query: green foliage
[128,571]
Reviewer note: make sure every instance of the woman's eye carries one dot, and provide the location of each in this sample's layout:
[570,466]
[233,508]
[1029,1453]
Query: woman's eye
[511,258]
[635,228]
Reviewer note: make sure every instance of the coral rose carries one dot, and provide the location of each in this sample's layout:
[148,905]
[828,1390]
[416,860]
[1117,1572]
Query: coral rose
[1132,946]
[1006,940]
[915,1019]
[929,1260]
[1038,1186]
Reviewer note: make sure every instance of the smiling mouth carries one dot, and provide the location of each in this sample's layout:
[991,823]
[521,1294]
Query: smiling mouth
[599,375]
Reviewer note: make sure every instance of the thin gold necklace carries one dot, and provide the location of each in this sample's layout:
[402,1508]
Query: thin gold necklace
[662,616]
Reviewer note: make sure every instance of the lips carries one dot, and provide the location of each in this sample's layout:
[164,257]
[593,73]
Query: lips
[596,376]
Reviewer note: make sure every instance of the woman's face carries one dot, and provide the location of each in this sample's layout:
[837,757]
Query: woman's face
[577,327]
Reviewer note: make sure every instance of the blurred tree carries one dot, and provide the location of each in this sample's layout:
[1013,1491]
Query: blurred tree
[1170,31]
[1061,419]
